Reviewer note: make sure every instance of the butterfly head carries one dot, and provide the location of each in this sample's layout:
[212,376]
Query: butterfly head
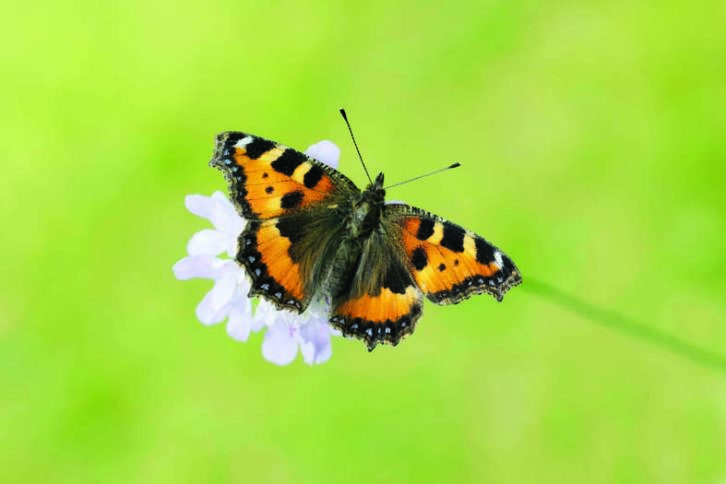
[375,193]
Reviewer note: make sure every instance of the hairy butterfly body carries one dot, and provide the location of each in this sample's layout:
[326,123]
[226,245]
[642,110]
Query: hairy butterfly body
[312,233]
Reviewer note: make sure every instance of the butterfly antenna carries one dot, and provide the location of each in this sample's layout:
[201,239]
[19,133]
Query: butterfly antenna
[455,165]
[345,118]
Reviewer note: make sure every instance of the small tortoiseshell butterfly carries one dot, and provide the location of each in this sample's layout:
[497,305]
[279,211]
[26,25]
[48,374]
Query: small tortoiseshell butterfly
[312,233]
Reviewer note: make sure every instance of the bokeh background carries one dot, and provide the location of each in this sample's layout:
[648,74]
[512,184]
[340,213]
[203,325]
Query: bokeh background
[592,137]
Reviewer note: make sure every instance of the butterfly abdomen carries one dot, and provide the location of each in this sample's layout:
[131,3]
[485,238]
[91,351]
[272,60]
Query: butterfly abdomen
[340,272]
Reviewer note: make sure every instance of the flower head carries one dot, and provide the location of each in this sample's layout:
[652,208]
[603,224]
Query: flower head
[211,256]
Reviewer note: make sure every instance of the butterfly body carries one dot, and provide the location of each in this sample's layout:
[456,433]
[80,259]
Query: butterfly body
[311,233]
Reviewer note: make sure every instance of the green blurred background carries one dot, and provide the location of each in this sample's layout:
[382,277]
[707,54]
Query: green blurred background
[592,137]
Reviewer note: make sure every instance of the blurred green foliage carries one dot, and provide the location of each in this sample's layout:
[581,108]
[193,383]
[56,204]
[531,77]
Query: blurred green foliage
[592,139]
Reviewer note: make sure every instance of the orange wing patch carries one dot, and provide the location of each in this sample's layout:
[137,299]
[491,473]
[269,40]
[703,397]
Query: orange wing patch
[274,249]
[383,318]
[450,264]
[387,306]
[271,193]
[264,252]
[268,180]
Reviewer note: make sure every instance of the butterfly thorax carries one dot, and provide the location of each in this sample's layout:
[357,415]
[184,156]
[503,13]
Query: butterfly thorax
[367,207]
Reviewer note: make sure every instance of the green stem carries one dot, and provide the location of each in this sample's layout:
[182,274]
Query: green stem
[626,325]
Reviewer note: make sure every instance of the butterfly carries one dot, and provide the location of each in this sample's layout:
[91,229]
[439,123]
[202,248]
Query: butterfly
[311,233]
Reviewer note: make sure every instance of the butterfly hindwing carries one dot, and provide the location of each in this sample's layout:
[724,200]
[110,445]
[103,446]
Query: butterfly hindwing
[269,180]
[448,262]
[284,256]
[382,303]
[264,252]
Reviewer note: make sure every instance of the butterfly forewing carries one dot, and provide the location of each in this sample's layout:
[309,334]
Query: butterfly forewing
[268,180]
[448,262]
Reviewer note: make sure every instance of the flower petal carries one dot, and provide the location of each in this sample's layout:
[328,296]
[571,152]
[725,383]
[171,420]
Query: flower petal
[208,313]
[315,342]
[218,210]
[215,306]
[200,205]
[268,315]
[280,344]
[226,219]
[326,152]
[225,285]
[240,323]
[208,242]
[204,266]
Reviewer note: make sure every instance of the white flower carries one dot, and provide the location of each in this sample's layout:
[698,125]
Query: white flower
[287,332]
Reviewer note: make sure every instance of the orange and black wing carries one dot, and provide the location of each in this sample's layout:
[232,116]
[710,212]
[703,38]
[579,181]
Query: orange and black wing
[289,201]
[268,180]
[448,262]
[282,255]
[382,303]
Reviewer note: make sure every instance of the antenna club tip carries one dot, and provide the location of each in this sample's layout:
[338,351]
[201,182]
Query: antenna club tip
[342,113]
[455,165]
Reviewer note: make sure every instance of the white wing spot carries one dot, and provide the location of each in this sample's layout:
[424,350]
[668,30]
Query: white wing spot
[243,142]
[498,258]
